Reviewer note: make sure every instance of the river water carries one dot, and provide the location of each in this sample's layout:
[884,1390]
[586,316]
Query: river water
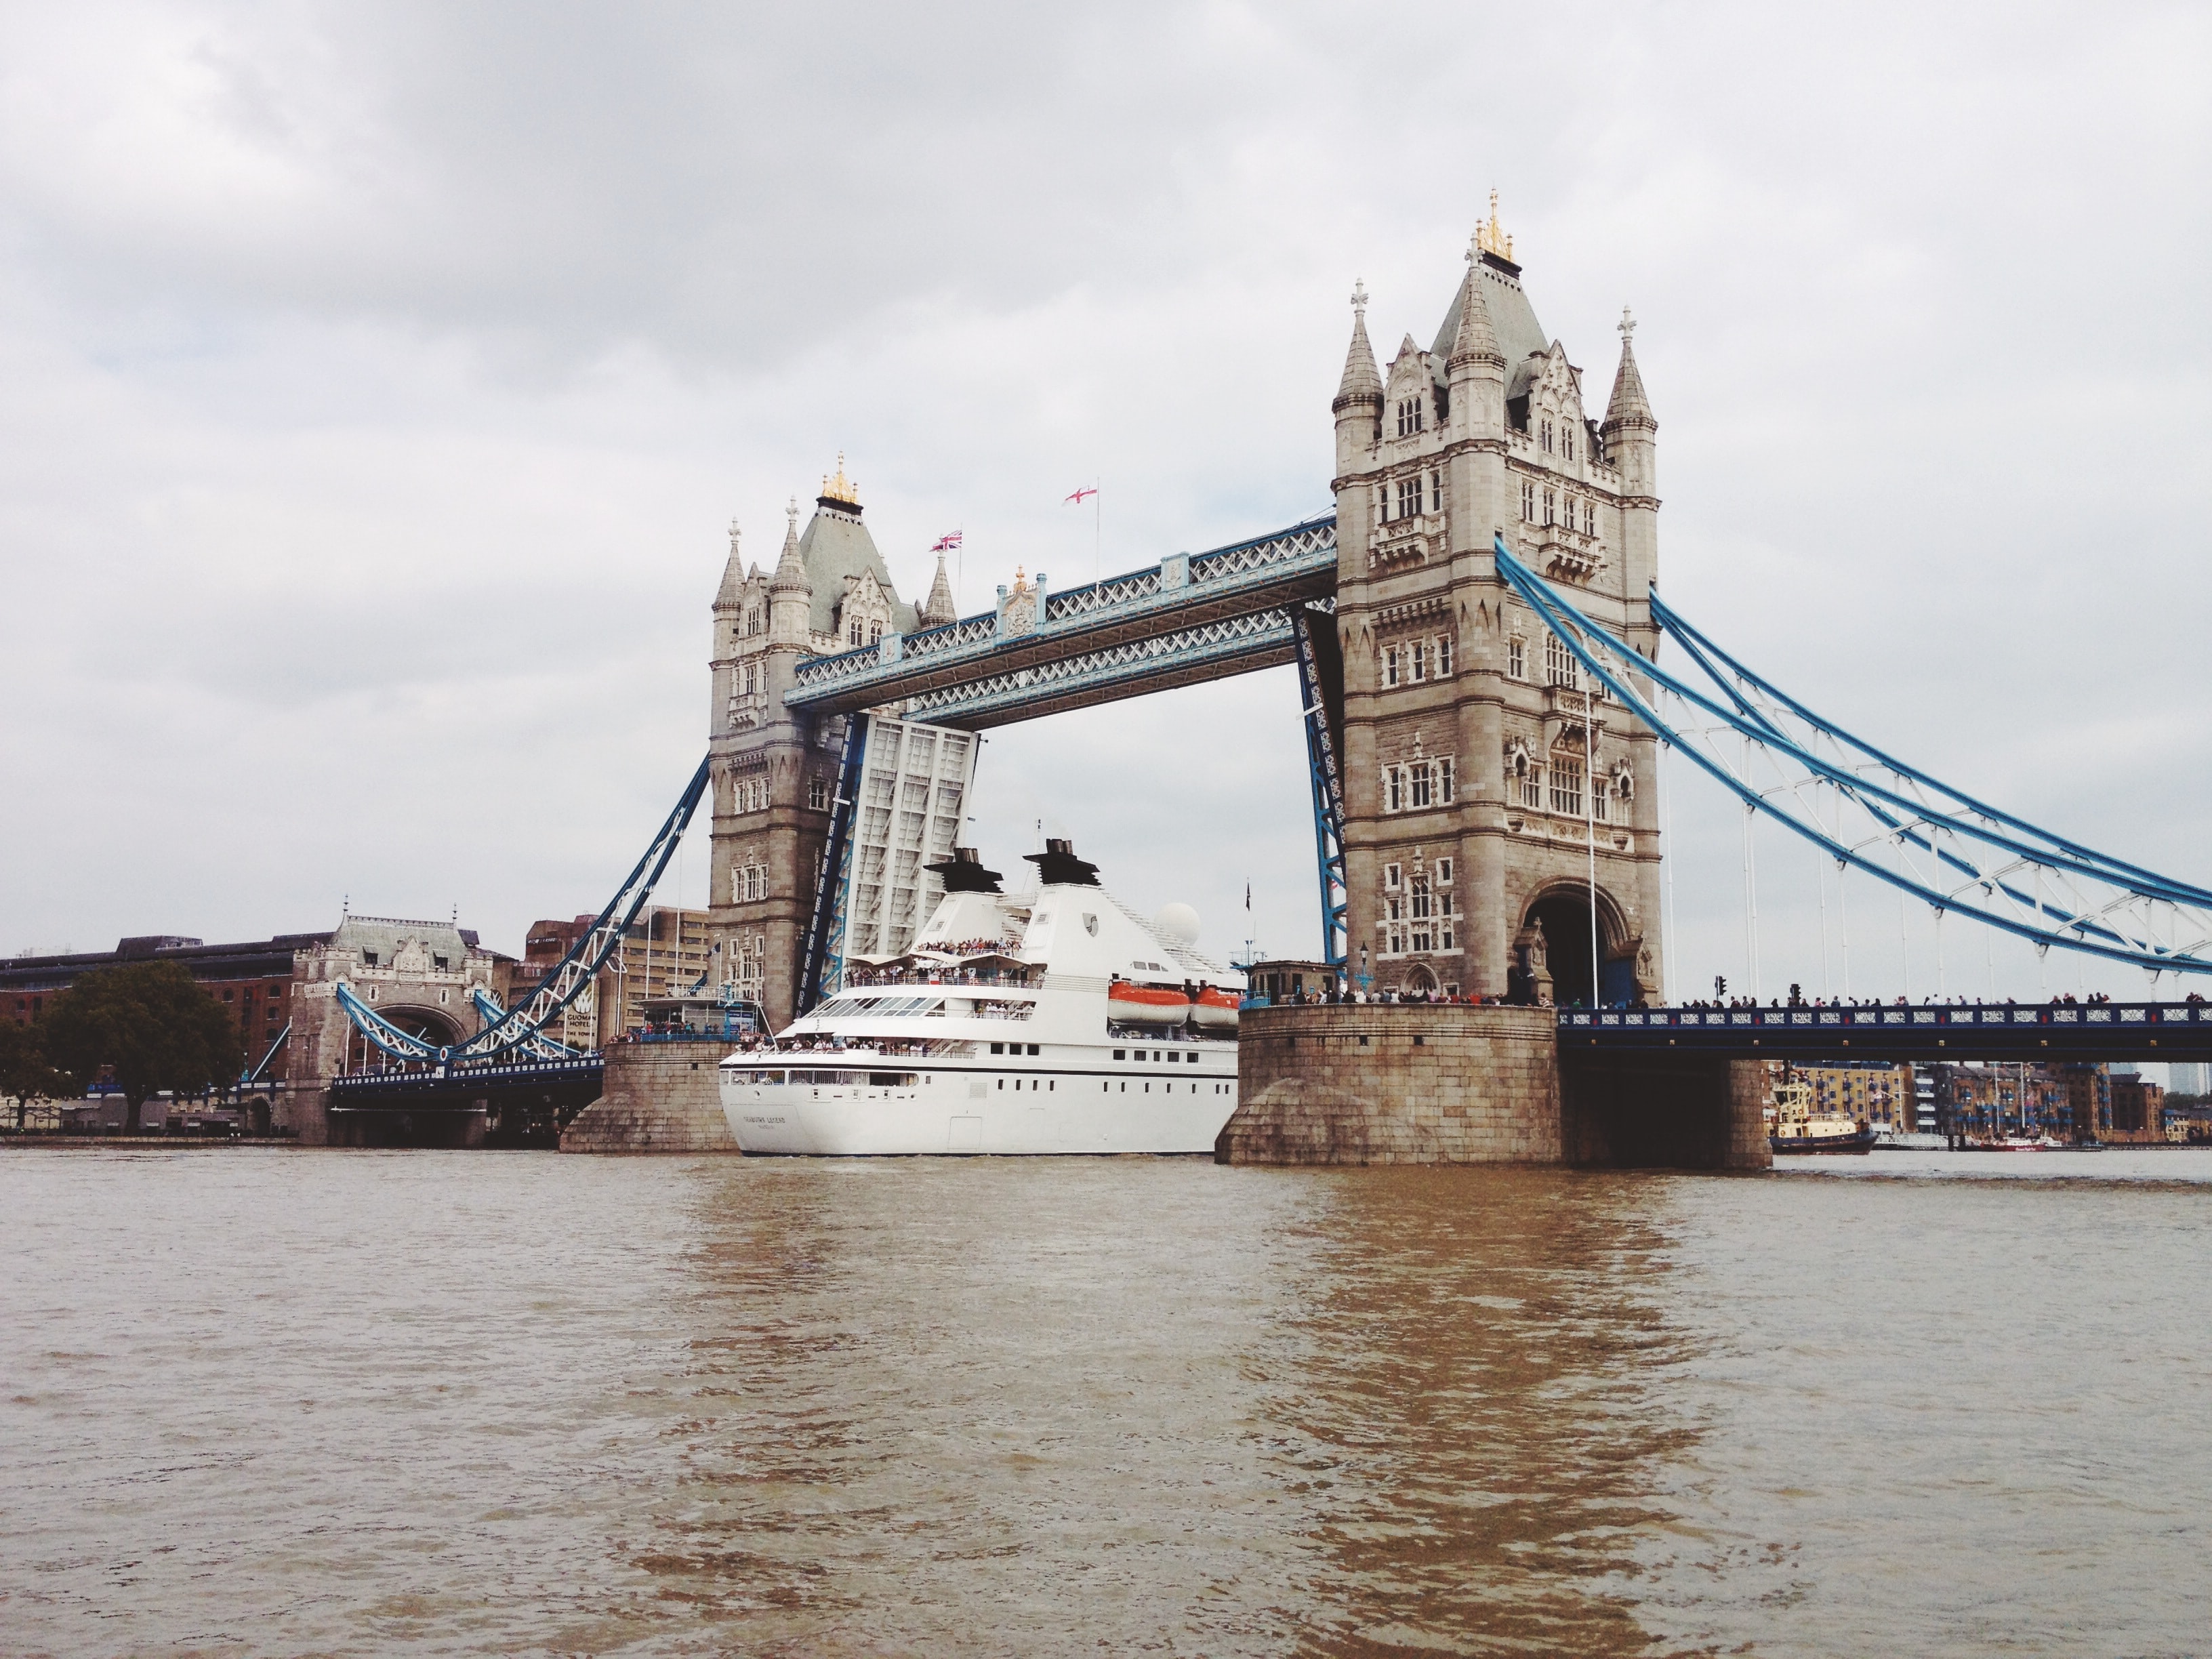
[270,1402]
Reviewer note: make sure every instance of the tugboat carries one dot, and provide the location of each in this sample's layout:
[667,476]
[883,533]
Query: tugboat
[1798,1129]
[1127,1034]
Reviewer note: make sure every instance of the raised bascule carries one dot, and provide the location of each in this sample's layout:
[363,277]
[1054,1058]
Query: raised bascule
[1478,635]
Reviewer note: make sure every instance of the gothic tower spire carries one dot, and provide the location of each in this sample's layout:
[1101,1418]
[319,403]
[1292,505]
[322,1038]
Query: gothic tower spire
[1628,406]
[938,609]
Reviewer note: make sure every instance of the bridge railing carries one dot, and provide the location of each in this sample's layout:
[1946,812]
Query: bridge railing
[2104,1016]
[1165,587]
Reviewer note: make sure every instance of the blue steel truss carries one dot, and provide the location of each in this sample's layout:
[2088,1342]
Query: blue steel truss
[1326,782]
[1191,617]
[823,964]
[1874,814]
[520,1026]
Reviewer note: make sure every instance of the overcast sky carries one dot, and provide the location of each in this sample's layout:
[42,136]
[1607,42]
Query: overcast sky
[376,383]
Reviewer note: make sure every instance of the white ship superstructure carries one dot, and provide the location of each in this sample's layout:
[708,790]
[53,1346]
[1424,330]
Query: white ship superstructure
[1052,1023]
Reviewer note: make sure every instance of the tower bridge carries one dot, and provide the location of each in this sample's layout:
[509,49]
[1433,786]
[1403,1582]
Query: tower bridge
[1478,633]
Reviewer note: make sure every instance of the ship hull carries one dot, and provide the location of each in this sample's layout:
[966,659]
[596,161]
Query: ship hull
[1803,1145]
[851,1113]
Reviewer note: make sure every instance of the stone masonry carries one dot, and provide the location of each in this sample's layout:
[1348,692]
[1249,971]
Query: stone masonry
[1480,779]
[1450,1083]
[659,1097]
[1394,1083]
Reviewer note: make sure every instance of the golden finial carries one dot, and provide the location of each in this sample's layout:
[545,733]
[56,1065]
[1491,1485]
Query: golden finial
[1492,238]
[841,489]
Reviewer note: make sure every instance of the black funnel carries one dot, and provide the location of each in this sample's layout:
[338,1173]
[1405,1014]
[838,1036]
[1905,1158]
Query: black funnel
[964,873]
[1057,866]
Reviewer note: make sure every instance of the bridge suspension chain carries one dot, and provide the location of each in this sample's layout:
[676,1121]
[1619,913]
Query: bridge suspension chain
[523,1026]
[1871,812]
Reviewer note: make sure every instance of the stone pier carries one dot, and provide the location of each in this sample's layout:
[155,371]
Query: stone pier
[1399,1083]
[658,1098]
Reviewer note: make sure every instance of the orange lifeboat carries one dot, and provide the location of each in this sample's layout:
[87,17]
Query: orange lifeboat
[1215,1010]
[1146,1005]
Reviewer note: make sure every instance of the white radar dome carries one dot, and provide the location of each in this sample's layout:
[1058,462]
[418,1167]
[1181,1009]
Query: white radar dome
[1178,922]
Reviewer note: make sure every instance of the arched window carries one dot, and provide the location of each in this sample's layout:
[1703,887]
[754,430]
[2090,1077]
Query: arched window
[1516,659]
[1547,437]
[1566,783]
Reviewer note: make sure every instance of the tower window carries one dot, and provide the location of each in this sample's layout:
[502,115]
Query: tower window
[1443,879]
[1527,501]
[1435,492]
[1566,442]
[1547,437]
[1551,507]
[1394,784]
[1420,780]
[1560,668]
[1409,496]
[1390,665]
[1409,416]
[1444,794]
[1516,659]
[817,793]
[1589,519]
[1443,656]
[1416,656]
[1391,876]
[1566,784]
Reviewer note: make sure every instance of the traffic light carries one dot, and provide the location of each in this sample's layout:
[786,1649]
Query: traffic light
[1720,984]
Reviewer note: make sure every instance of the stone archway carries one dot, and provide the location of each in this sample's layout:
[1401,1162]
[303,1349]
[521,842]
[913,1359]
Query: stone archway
[435,1026]
[1555,941]
[1419,981]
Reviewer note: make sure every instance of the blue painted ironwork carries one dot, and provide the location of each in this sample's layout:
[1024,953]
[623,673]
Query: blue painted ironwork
[1156,662]
[1199,616]
[566,980]
[253,1075]
[1919,835]
[490,1012]
[822,965]
[1326,782]
[2087,1031]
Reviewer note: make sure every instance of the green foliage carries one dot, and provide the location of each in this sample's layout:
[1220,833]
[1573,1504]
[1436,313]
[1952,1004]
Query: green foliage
[24,1072]
[151,1023]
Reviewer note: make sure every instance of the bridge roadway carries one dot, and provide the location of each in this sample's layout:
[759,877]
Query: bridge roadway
[1897,1031]
[1192,617]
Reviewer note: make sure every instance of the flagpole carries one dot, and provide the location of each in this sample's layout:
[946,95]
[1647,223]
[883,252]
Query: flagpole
[1097,533]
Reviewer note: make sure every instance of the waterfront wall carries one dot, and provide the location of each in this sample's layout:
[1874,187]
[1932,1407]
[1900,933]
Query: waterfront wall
[659,1097]
[1415,1083]
[1394,1083]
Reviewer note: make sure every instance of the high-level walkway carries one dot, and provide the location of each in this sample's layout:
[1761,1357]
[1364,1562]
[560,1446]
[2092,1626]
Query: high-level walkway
[1192,617]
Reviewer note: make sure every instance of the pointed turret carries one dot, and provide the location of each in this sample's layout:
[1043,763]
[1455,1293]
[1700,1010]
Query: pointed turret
[938,609]
[790,569]
[727,597]
[1628,406]
[1361,383]
[790,594]
[1475,339]
[1358,405]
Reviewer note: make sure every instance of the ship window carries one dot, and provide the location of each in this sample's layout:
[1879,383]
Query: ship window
[1121,1054]
[998,1047]
[1002,1083]
[1033,1048]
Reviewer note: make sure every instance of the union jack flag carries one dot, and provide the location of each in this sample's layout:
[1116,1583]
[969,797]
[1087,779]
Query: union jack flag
[946,544]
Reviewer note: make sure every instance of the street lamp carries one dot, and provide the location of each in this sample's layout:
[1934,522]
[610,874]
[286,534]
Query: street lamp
[1365,980]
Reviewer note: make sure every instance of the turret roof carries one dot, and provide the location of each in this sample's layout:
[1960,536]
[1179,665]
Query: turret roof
[834,546]
[1628,404]
[733,575]
[938,609]
[1360,382]
[791,568]
[1473,338]
[1512,320]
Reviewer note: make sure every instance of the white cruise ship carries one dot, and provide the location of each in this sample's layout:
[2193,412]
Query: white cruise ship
[1054,1024]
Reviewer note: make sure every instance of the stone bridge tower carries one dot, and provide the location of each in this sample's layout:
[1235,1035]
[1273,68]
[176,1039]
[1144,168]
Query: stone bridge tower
[773,771]
[1480,766]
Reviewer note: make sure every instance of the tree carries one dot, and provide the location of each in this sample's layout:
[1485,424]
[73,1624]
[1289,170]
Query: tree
[149,1021]
[24,1074]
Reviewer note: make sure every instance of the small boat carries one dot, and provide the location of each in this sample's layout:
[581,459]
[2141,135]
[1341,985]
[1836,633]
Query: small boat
[1797,1130]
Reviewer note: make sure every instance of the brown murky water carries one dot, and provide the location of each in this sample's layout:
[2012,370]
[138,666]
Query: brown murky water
[402,1403]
